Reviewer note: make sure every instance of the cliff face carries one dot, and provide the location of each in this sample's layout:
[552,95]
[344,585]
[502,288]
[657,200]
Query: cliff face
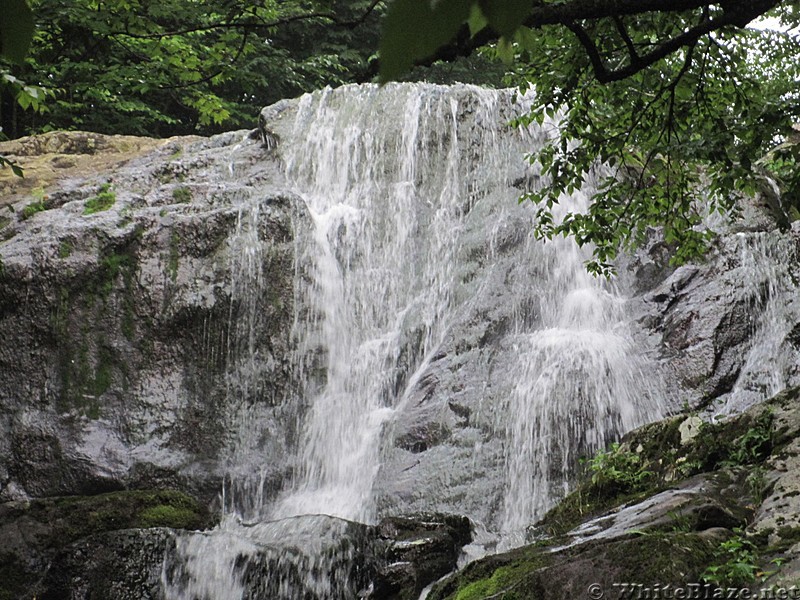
[122,327]
[150,295]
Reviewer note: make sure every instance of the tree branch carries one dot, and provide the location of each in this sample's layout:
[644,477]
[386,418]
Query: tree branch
[737,13]
[623,33]
[742,14]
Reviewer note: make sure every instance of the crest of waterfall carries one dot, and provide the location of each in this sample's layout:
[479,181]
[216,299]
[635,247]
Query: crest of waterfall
[402,183]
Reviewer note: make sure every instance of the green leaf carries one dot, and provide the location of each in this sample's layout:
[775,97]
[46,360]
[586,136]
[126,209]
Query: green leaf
[16,30]
[477,21]
[505,50]
[413,29]
[505,16]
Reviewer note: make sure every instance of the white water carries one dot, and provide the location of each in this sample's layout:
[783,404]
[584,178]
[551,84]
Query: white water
[389,177]
[580,385]
[764,273]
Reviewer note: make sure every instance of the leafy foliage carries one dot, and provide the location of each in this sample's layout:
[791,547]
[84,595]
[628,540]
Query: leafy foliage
[755,444]
[698,120]
[735,563]
[172,67]
[651,103]
[619,470]
[16,30]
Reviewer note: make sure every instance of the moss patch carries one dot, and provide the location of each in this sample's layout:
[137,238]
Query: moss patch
[65,249]
[182,194]
[31,209]
[501,575]
[104,200]
[174,255]
[88,364]
[74,517]
[537,573]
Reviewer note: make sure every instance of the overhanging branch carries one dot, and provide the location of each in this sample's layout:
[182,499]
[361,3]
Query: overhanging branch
[736,13]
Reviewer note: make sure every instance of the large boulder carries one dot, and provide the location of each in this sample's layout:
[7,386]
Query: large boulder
[133,335]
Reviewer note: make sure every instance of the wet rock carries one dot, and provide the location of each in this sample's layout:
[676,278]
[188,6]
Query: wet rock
[723,326]
[417,551]
[76,546]
[672,532]
[126,345]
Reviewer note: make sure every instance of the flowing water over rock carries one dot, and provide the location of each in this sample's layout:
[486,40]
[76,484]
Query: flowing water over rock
[447,360]
[340,337]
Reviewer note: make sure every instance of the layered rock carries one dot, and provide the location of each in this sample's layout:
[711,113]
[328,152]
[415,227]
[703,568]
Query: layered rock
[122,323]
[710,512]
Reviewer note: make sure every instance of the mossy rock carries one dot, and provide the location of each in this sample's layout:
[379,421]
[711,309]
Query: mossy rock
[494,574]
[539,573]
[71,518]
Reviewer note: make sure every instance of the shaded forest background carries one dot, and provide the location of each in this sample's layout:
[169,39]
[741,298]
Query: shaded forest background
[177,67]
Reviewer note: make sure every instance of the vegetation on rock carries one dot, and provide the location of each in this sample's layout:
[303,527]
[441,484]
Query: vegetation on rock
[705,539]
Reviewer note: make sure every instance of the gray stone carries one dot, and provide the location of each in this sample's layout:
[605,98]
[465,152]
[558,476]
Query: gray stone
[123,359]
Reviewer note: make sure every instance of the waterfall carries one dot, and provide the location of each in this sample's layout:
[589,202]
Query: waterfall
[764,279]
[418,266]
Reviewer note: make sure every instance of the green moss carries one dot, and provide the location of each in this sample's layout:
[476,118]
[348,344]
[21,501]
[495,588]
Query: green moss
[4,222]
[101,381]
[503,579]
[65,249]
[166,515]
[71,518]
[585,502]
[182,194]
[174,255]
[112,265]
[664,557]
[33,208]
[104,200]
[510,576]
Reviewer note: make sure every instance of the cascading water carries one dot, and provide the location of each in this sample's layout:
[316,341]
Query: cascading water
[580,384]
[763,271]
[412,194]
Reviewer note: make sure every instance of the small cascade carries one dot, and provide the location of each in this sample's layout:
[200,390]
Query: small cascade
[580,384]
[765,282]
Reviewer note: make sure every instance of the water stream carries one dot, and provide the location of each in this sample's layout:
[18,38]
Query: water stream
[401,184]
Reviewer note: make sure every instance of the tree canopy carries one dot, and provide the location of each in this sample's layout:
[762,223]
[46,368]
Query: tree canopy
[176,67]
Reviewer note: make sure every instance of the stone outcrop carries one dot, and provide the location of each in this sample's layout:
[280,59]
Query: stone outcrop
[716,510]
[122,328]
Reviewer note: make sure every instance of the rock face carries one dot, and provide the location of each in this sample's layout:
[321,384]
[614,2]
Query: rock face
[123,332]
[725,328]
[714,514]
[149,318]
